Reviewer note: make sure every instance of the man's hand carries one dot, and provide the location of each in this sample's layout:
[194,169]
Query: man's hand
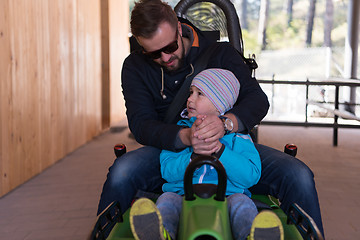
[205,133]
[209,128]
[201,146]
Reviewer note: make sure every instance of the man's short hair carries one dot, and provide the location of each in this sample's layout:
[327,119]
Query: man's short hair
[147,15]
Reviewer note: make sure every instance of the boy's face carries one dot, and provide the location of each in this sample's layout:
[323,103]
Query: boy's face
[198,103]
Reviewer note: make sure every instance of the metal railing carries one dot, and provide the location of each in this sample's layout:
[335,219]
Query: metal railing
[337,83]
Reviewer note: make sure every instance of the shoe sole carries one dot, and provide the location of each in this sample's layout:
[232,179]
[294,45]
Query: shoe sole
[267,226]
[146,218]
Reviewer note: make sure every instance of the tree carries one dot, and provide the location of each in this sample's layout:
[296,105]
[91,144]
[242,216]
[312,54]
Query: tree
[289,10]
[328,22]
[241,9]
[263,18]
[310,22]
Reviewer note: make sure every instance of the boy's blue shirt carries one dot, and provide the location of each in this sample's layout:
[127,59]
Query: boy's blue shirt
[240,159]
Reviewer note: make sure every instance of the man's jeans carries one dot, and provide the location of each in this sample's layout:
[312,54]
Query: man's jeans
[282,176]
[289,180]
[133,171]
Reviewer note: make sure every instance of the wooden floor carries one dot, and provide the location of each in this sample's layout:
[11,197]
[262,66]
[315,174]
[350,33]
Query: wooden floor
[61,202]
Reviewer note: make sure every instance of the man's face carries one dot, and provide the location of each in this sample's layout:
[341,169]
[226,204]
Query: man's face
[160,47]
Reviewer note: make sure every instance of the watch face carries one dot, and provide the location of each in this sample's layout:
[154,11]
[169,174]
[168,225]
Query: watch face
[228,124]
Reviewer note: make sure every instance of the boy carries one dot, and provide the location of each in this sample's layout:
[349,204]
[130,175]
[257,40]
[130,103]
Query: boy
[212,92]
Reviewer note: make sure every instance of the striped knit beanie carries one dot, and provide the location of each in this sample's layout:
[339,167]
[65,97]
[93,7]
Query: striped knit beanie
[220,86]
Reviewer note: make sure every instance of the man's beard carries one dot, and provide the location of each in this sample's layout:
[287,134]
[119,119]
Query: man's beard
[180,60]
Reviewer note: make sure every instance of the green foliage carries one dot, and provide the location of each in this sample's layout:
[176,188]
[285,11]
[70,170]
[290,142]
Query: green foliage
[250,45]
[337,35]
[281,35]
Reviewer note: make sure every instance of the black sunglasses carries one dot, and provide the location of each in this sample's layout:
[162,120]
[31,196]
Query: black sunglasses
[170,48]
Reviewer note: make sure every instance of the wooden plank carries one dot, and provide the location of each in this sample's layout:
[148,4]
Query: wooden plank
[105,63]
[119,50]
[5,95]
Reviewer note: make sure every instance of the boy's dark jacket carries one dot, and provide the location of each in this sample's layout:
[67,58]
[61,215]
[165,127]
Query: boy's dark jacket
[146,108]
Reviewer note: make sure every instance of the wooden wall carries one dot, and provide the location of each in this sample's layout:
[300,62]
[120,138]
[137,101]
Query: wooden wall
[51,81]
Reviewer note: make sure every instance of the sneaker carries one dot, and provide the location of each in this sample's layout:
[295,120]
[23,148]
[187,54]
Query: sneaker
[267,226]
[146,221]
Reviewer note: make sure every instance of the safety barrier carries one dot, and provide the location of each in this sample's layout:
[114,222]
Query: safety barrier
[337,83]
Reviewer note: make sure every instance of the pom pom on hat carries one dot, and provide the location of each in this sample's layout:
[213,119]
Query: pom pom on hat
[220,86]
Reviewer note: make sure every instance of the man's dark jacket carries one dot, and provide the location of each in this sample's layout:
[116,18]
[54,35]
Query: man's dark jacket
[146,108]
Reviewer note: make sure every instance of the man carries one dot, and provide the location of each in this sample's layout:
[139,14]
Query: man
[150,80]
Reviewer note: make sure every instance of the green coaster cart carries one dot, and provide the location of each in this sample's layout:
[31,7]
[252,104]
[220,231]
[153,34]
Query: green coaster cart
[205,213]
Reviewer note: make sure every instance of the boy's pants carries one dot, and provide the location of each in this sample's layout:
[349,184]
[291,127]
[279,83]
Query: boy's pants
[242,212]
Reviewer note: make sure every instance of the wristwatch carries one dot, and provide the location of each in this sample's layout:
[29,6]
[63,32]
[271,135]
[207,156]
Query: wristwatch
[228,124]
